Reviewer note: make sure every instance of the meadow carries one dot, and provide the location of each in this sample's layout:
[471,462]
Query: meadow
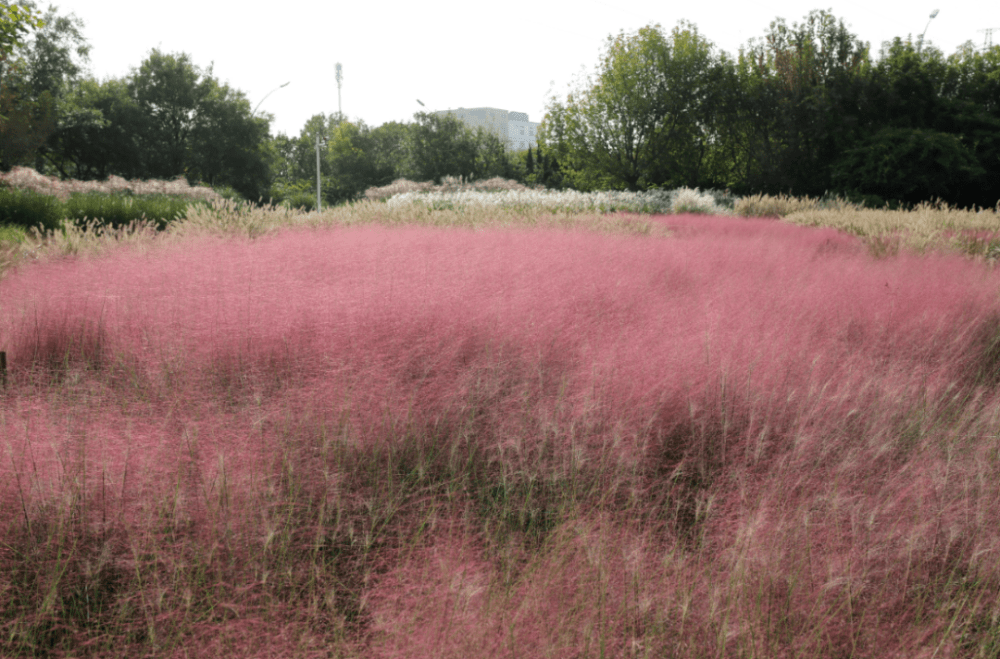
[474,423]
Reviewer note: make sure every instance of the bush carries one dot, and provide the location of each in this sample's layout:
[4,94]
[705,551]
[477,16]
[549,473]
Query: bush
[305,201]
[764,205]
[27,209]
[119,210]
[686,200]
[12,234]
[228,192]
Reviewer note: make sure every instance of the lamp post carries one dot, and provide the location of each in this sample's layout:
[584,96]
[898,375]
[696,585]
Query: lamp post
[268,94]
[920,43]
[319,206]
[339,76]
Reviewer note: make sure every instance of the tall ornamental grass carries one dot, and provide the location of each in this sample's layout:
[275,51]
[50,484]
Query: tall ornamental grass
[927,226]
[726,438]
[26,178]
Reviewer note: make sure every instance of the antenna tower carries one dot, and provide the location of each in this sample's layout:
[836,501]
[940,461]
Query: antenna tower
[340,76]
[988,39]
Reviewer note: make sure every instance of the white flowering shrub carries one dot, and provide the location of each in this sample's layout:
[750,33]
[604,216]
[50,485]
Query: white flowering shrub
[653,202]
[686,200]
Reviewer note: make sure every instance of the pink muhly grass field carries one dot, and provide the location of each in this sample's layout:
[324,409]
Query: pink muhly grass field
[747,439]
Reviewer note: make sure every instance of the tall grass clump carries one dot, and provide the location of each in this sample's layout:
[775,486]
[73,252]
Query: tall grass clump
[926,227]
[26,178]
[686,200]
[119,210]
[727,437]
[27,209]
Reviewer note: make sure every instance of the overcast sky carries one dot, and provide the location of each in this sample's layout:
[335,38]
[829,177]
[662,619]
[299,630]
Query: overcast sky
[508,55]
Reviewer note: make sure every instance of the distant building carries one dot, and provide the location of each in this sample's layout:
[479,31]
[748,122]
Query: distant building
[513,128]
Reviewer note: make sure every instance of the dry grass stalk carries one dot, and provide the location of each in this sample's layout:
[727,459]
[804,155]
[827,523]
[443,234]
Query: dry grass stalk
[926,227]
[448,184]
[26,178]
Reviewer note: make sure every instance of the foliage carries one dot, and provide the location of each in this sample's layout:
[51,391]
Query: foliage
[195,126]
[166,118]
[121,210]
[16,21]
[359,158]
[26,209]
[49,65]
[441,146]
[804,96]
[909,164]
[27,123]
[649,117]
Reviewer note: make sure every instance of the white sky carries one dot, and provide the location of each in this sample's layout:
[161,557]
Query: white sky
[510,55]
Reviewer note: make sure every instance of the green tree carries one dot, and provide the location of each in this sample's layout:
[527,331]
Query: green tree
[357,161]
[227,145]
[908,164]
[650,118]
[934,128]
[54,60]
[441,145]
[530,162]
[26,124]
[16,21]
[805,95]
[492,157]
[169,118]
[25,121]
[104,139]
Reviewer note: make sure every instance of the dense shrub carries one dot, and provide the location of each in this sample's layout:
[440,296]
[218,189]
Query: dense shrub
[118,210]
[300,200]
[29,209]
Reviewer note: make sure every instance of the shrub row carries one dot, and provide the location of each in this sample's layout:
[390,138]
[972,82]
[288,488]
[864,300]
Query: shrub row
[27,209]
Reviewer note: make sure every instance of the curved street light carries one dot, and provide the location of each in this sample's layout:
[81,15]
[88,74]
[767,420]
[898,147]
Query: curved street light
[920,44]
[268,94]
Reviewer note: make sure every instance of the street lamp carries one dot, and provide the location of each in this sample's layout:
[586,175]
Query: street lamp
[920,44]
[319,206]
[268,94]
[421,103]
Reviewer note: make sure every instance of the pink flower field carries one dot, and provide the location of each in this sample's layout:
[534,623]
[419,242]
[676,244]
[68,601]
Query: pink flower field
[747,439]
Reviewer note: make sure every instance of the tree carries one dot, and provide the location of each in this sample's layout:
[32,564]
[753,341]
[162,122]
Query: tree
[357,162]
[16,21]
[227,144]
[530,162]
[54,61]
[651,116]
[935,123]
[104,139]
[25,123]
[441,146]
[806,93]
[908,164]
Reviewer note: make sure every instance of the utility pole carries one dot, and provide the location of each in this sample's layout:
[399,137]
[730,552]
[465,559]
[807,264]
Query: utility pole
[319,206]
[340,76]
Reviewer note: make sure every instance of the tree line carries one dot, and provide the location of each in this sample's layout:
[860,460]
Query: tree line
[168,118]
[804,110]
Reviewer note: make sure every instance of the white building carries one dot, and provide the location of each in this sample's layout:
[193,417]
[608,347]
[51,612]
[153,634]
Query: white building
[513,128]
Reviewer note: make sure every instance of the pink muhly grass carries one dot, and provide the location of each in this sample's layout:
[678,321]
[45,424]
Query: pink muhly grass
[791,438]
